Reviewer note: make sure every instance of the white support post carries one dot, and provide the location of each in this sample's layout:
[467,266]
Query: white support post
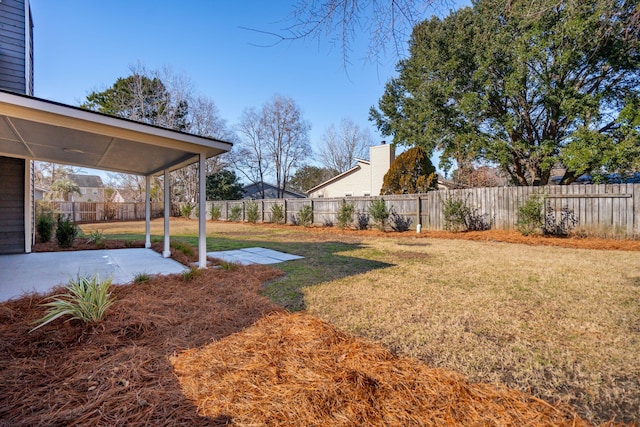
[147,212]
[202,212]
[167,211]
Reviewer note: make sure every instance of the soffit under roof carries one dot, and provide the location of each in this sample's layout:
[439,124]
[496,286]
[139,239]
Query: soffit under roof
[38,129]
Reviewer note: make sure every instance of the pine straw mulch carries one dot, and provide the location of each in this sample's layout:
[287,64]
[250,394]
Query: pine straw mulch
[505,236]
[117,372]
[296,370]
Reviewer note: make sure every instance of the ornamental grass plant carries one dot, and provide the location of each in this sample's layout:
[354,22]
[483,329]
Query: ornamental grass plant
[87,300]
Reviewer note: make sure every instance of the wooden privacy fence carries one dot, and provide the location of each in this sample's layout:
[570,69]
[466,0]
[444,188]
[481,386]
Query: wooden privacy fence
[98,212]
[611,210]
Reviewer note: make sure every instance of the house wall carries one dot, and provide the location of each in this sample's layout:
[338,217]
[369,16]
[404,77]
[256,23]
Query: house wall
[12,205]
[356,184]
[16,47]
[89,194]
[16,74]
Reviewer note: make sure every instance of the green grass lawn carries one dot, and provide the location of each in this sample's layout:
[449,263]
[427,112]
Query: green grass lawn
[563,324]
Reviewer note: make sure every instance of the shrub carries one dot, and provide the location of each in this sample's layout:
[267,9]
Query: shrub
[96,237]
[183,247]
[44,226]
[458,216]
[455,211]
[252,212]
[186,210]
[236,213]
[345,214]
[305,216]
[277,213]
[379,212]
[326,222]
[399,222]
[216,212]
[66,232]
[362,218]
[530,216]
[191,274]
[141,277]
[87,300]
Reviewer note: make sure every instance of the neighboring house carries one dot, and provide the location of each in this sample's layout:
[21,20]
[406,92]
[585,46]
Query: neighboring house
[128,196]
[252,191]
[39,192]
[91,188]
[364,179]
[37,129]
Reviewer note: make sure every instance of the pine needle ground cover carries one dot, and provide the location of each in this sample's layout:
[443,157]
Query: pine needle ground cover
[294,370]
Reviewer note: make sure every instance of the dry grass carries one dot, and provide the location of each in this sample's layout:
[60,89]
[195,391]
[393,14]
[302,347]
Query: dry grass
[563,324]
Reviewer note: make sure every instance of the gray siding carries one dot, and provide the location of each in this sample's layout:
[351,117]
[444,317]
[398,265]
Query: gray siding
[12,205]
[15,55]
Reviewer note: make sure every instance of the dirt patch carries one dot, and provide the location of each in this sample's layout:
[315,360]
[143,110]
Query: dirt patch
[117,372]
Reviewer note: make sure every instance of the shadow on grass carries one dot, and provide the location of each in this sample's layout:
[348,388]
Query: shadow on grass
[322,262]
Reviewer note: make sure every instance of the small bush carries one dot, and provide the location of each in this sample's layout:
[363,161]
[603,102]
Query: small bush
[236,213]
[399,222]
[87,300]
[345,214]
[229,266]
[252,212]
[362,219]
[96,237]
[530,216]
[66,232]
[186,210]
[44,226]
[379,212]
[277,213]
[141,277]
[216,212]
[305,216]
[191,274]
[455,212]
[326,222]
[458,216]
[183,247]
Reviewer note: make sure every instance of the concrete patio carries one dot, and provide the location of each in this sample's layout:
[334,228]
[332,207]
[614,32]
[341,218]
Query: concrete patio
[39,272]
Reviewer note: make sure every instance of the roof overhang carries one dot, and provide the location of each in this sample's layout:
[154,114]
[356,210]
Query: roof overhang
[38,129]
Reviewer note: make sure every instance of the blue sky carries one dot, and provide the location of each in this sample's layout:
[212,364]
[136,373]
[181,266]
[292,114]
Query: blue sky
[82,46]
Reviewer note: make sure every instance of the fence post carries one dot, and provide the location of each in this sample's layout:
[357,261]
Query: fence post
[419,212]
[262,209]
[285,210]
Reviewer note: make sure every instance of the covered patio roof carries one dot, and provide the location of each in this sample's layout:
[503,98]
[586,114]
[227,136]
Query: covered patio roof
[38,129]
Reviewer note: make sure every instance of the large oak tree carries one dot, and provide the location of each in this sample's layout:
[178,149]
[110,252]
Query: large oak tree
[523,85]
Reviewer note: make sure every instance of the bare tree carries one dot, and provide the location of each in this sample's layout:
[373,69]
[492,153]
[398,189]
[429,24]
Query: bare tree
[341,147]
[286,137]
[387,22]
[275,140]
[250,157]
